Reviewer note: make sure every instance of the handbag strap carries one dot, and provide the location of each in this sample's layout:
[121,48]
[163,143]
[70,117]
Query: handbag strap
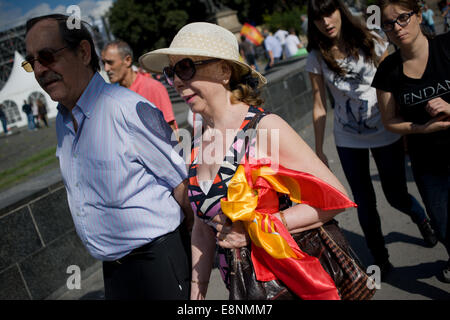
[322,229]
[252,125]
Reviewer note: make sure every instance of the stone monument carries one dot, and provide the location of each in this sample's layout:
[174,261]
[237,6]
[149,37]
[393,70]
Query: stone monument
[222,15]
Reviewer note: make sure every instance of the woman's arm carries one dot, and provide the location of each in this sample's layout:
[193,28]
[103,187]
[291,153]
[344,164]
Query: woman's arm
[295,154]
[393,122]
[282,145]
[203,244]
[319,113]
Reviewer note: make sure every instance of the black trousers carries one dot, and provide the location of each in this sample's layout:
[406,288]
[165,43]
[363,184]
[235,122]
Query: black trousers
[390,162]
[157,271]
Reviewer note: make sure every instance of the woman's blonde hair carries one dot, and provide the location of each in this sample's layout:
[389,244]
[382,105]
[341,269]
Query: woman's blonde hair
[244,88]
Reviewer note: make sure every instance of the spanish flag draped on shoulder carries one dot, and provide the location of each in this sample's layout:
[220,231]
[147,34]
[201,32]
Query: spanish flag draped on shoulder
[253,198]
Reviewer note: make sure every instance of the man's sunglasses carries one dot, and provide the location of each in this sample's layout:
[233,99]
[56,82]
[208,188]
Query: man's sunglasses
[402,20]
[184,69]
[45,57]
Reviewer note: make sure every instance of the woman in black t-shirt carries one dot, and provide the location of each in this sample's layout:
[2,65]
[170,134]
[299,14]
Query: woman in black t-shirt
[413,90]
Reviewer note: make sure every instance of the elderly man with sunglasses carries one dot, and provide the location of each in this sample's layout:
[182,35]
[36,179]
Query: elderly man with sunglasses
[126,187]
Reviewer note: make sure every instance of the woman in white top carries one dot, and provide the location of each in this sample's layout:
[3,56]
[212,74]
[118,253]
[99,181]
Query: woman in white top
[343,55]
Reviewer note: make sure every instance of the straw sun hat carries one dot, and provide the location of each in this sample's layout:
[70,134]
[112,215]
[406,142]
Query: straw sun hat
[200,39]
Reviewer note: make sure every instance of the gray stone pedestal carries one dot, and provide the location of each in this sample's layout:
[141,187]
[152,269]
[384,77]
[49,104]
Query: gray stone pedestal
[228,19]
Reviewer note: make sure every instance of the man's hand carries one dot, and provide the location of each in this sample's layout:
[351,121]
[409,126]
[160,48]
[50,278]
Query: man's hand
[180,193]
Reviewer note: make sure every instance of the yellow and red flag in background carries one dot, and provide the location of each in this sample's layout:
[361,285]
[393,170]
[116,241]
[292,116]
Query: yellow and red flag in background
[252,34]
[253,197]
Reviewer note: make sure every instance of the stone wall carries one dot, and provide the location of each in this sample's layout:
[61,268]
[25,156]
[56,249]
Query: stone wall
[38,241]
[288,93]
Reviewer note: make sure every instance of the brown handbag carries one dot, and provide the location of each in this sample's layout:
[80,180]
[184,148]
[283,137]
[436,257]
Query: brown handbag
[327,243]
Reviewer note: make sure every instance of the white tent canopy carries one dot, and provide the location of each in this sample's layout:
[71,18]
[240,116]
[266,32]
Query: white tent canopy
[19,87]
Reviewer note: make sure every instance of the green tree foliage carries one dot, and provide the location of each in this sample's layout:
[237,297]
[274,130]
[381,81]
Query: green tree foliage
[254,11]
[148,25]
[285,19]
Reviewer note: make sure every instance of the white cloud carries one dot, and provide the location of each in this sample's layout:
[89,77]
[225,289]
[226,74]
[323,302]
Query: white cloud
[11,16]
[94,8]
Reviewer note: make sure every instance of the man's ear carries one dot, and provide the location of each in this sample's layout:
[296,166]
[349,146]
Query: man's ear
[128,61]
[84,50]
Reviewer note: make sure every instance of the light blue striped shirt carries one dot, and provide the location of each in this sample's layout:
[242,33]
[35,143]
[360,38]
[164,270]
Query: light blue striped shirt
[119,170]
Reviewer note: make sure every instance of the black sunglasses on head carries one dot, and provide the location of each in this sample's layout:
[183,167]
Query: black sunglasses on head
[402,20]
[184,69]
[45,57]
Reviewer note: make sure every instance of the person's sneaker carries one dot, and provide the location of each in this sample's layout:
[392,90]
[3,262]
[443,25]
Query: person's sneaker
[428,234]
[9,133]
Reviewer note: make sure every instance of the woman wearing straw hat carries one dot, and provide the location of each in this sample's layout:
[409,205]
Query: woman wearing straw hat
[202,64]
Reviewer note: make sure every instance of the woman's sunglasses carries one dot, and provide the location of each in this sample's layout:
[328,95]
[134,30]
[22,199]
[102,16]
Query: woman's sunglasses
[184,69]
[402,20]
[45,57]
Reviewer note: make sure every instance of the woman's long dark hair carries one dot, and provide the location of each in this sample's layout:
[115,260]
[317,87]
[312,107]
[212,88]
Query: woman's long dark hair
[354,35]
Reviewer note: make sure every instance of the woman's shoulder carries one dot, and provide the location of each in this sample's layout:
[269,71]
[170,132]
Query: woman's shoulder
[443,41]
[388,72]
[272,121]
[313,60]
[314,54]
[391,63]
[380,43]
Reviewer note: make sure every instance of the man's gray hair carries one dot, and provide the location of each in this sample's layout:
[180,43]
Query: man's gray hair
[123,48]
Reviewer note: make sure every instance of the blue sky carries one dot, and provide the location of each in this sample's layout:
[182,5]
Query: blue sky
[14,12]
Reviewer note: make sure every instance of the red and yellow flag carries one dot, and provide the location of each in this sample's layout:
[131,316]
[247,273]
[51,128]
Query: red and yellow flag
[253,197]
[252,34]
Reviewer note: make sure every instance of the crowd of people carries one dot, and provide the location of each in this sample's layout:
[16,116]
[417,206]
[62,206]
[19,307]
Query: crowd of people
[36,112]
[277,46]
[157,222]
[444,7]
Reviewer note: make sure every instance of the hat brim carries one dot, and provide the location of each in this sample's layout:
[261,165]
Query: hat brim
[155,61]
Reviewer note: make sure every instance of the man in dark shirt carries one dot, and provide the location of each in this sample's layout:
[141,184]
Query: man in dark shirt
[247,51]
[26,108]
[4,121]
